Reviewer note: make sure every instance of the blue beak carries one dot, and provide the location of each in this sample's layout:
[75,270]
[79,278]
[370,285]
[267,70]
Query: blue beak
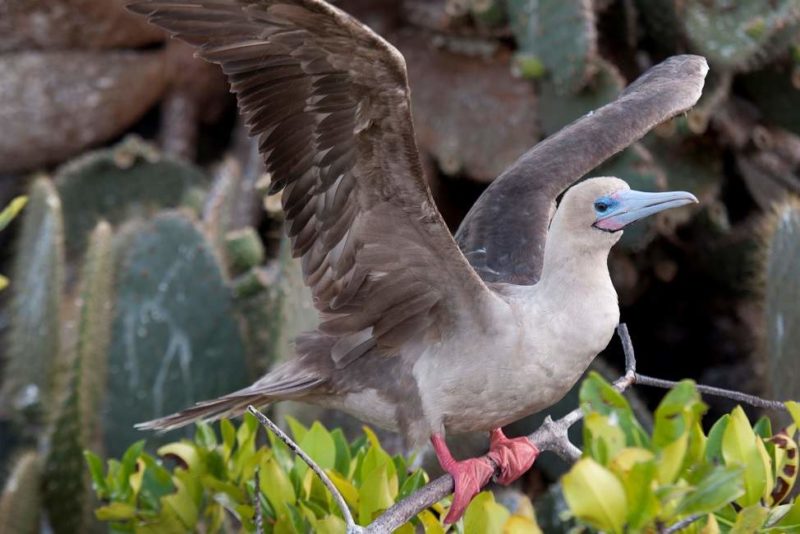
[625,207]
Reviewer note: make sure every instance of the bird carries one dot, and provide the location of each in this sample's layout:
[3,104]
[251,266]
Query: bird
[423,332]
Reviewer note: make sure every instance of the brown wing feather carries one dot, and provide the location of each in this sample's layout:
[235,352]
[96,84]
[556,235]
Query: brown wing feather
[504,233]
[329,102]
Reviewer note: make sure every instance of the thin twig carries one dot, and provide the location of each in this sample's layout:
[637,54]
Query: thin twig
[683,523]
[644,380]
[257,504]
[352,527]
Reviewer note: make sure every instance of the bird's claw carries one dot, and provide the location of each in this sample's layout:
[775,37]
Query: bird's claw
[469,476]
[513,456]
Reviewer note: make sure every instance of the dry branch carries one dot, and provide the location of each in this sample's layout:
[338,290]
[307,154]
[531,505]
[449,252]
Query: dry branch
[550,436]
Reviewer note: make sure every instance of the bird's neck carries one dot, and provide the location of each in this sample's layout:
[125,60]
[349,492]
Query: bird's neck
[572,264]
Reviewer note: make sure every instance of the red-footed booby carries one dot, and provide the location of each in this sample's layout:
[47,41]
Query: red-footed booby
[422,333]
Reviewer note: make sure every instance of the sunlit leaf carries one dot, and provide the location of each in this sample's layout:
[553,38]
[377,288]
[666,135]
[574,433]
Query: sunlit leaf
[329,524]
[348,491]
[595,495]
[11,211]
[711,526]
[794,411]
[597,395]
[603,436]
[376,494]
[3,282]
[739,448]
[430,523]
[184,452]
[116,511]
[720,487]
[275,484]
[182,503]
[485,516]
[521,525]
[750,519]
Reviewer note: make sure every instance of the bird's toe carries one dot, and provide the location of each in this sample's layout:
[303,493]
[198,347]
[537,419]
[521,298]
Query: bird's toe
[513,456]
[470,476]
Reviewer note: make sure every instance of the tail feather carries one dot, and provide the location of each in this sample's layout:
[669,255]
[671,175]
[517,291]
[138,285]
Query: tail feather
[284,383]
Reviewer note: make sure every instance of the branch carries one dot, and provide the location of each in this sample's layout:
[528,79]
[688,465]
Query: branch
[352,527]
[550,436]
[257,504]
[683,523]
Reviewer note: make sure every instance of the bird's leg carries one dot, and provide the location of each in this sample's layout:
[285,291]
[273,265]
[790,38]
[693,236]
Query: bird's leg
[513,456]
[469,476]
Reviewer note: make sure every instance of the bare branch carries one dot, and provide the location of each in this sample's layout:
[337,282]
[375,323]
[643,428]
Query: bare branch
[683,523]
[257,503]
[644,380]
[550,436]
[352,527]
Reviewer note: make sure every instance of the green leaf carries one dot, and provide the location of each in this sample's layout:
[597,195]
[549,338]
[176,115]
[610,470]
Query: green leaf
[184,451]
[791,521]
[714,443]
[750,519]
[183,505]
[343,457]
[376,494]
[296,428]
[675,417]
[794,411]
[11,211]
[597,395]
[116,511]
[320,446]
[484,515]
[722,486]
[275,484]
[595,495]
[603,437]
[636,468]
[739,448]
[228,432]
[204,436]
[763,427]
[329,524]
[95,464]
[412,483]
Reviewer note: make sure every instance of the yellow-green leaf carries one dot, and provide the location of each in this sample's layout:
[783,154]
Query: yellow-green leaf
[671,459]
[794,411]
[602,436]
[275,484]
[739,448]
[376,494]
[430,523]
[595,495]
[750,520]
[116,511]
[330,524]
[183,451]
[517,524]
[182,504]
[348,491]
[135,480]
[485,516]
[711,526]
[12,210]
[3,282]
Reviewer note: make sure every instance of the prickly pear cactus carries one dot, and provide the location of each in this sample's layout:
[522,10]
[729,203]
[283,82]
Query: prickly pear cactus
[781,272]
[776,92]
[556,110]
[19,502]
[559,33]
[740,36]
[131,179]
[174,337]
[275,306]
[33,340]
[66,494]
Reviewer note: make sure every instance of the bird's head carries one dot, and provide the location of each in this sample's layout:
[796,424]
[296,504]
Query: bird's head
[599,208]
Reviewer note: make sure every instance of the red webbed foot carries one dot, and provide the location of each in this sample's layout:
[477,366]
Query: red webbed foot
[513,456]
[470,476]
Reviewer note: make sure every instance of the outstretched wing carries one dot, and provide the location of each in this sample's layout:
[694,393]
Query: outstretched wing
[329,102]
[504,233]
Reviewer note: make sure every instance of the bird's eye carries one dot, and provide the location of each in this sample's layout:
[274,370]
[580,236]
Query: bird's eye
[600,206]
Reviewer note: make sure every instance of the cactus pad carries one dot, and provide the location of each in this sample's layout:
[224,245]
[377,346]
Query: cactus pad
[174,338]
[19,502]
[740,36]
[66,492]
[561,34]
[556,111]
[36,283]
[781,295]
[130,179]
